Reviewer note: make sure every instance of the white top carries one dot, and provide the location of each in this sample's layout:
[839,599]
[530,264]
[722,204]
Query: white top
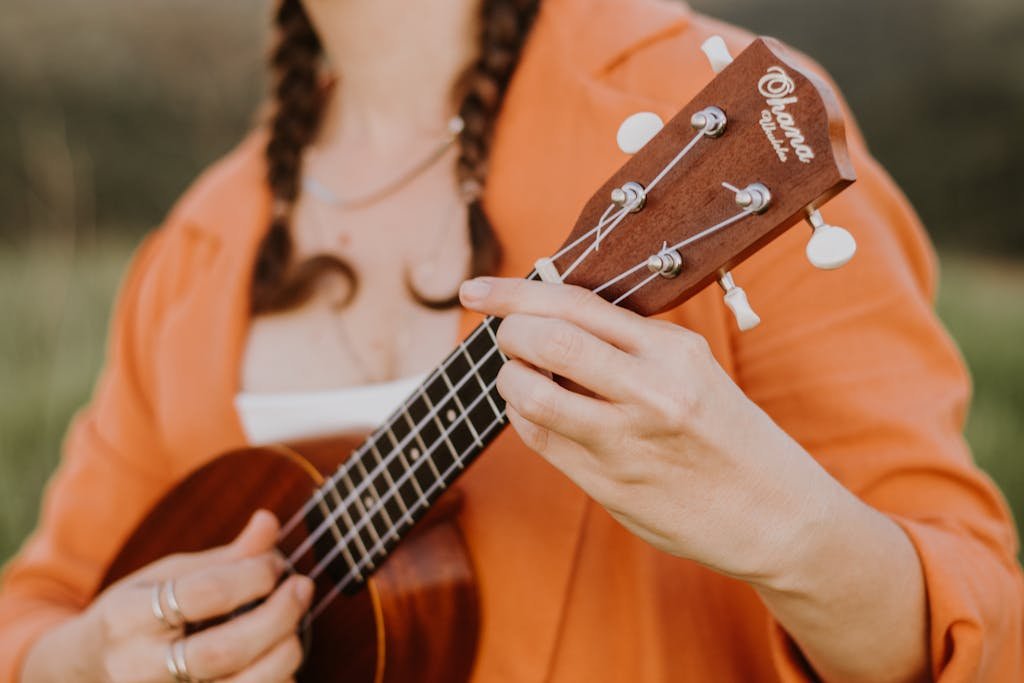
[288,416]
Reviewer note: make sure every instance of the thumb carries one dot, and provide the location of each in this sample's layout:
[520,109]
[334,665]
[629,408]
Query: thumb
[258,536]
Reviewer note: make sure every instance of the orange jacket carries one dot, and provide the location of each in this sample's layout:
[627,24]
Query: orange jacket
[853,364]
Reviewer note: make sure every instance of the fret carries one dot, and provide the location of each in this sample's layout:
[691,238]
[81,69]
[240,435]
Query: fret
[446,444]
[466,388]
[409,491]
[440,483]
[323,545]
[395,500]
[498,412]
[371,496]
[364,534]
[415,424]
[492,332]
[407,460]
[437,405]
[488,368]
[486,362]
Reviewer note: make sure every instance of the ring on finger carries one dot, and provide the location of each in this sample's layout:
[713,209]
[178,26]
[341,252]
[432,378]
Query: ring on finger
[171,616]
[176,664]
[157,606]
[173,607]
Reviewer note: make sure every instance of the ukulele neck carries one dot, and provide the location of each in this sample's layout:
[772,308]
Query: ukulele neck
[404,466]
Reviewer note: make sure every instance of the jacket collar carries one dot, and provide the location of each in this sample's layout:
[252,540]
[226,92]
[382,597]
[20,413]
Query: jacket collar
[614,28]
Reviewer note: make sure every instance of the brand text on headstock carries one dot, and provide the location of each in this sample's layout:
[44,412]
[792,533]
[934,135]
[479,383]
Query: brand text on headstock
[779,125]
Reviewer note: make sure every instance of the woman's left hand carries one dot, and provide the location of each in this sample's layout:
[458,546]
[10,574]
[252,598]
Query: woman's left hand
[650,426]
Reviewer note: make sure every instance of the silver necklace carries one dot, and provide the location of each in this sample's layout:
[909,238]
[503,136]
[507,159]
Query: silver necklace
[326,195]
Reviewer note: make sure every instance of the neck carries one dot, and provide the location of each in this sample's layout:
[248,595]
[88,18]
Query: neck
[395,62]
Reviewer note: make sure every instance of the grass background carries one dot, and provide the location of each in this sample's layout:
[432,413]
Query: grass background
[51,346]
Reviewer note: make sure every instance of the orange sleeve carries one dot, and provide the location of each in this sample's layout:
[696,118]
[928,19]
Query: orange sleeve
[110,474]
[855,365]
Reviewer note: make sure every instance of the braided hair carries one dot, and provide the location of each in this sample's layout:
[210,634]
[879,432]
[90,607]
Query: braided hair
[298,99]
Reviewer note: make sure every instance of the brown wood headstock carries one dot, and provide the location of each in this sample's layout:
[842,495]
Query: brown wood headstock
[691,203]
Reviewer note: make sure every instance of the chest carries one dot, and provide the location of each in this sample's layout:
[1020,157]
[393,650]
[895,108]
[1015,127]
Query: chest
[370,328]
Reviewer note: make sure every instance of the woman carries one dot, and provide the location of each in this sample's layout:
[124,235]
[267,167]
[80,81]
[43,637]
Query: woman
[848,536]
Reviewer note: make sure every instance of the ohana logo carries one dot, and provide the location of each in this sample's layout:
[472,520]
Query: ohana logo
[777,88]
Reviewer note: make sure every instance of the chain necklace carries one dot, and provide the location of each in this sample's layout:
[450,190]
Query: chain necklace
[326,195]
[376,372]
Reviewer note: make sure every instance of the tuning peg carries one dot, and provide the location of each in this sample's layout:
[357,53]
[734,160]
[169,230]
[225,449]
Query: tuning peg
[736,300]
[830,247]
[637,130]
[717,52]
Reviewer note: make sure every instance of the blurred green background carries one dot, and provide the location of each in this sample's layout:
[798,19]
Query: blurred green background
[109,109]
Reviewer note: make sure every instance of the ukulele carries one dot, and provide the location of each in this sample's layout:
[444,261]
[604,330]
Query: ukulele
[761,148]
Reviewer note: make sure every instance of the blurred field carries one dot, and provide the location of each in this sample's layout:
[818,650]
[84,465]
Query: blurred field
[55,303]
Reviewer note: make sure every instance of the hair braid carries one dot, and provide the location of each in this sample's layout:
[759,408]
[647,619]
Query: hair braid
[298,105]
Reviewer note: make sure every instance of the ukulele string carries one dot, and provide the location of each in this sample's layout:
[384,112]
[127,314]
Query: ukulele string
[618,216]
[676,247]
[605,219]
[701,134]
[367,560]
[614,219]
[395,452]
[344,468]
[301,514]
[356,571]
[608,217]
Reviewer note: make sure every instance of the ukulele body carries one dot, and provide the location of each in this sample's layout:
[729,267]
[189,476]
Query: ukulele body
[415,619]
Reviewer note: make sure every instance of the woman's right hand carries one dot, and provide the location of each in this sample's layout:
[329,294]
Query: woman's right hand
[119,639]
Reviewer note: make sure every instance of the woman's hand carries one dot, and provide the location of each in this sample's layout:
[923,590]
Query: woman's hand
[645,421]
[653,429]
[120,639]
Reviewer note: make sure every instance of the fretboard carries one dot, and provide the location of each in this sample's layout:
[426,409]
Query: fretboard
[363,511]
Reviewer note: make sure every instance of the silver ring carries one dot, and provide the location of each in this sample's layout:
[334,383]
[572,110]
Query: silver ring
[175,661]
[174,612]
[157,606]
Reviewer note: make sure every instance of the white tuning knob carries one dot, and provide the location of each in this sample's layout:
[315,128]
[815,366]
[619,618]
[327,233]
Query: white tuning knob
[717,52]
[830,247]
[736,300]
[637,130]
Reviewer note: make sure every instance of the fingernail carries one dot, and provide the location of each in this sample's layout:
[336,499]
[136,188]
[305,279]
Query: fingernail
[303,588]
[473,291]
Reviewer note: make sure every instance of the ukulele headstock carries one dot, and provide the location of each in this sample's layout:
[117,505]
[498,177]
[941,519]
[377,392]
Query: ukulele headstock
[758,150]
